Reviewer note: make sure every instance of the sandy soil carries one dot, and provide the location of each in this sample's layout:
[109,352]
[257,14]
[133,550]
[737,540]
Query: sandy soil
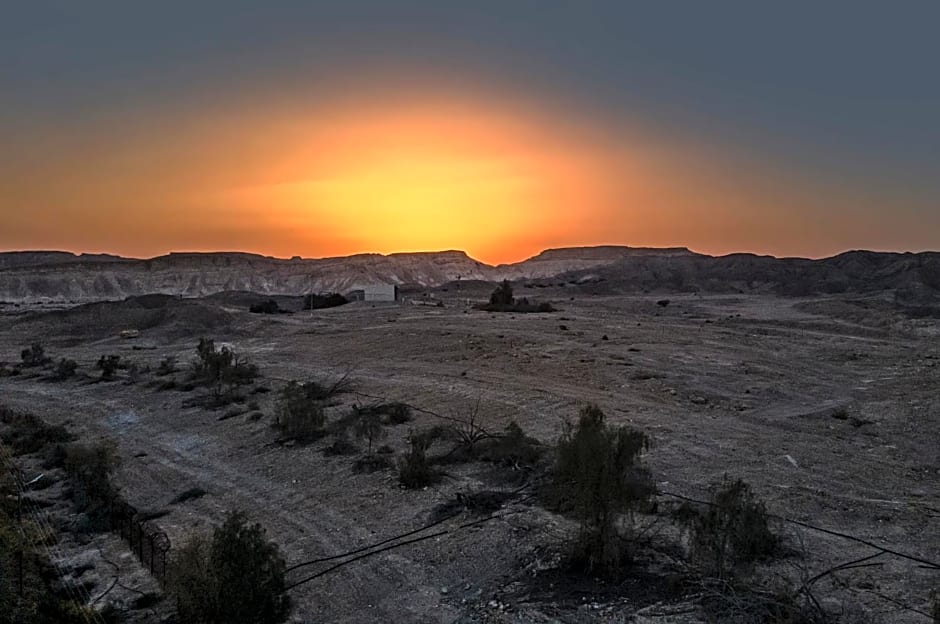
[746,385]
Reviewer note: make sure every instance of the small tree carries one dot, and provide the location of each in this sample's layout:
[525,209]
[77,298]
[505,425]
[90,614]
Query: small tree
[502,296]
[599,475]
[237,578]
[298,416]
[730,532]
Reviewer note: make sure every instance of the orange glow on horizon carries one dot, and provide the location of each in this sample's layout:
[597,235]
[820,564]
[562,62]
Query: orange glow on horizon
[498,179]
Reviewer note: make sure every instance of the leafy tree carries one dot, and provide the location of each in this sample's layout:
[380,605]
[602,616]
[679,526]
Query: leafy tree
[599,476]
[236,578]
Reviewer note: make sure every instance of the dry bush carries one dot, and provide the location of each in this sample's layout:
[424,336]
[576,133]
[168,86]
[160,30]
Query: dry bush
[109,365]
[731,532]
[167,366]
[64,369]
[598,475]
[414,469]
[34,355]
[28,434]
[298,416]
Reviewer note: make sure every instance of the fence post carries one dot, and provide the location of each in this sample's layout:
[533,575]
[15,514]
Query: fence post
[19,567]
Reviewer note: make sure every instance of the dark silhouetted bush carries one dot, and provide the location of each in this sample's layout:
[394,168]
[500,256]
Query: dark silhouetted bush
[502,300]
[26,433]
[414,469]
[731,532]
[34,355]
[237,577]
[598,475]
[108,364]
[368,427]
[64,369]
[298,416]
[223,370]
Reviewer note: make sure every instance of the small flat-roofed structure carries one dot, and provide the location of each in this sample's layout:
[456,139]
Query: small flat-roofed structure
[380,292]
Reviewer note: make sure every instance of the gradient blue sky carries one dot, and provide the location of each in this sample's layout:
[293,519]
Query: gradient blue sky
[840,100]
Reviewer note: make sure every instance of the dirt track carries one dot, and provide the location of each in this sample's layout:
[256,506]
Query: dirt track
[749,386]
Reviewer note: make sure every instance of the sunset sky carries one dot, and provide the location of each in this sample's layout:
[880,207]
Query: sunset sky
[327,128]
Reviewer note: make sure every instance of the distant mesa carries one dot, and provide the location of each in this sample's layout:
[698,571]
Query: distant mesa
[55,276]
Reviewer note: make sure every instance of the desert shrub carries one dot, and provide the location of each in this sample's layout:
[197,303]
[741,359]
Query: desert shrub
[389,413]
[598,475]
[935,606]
[34,355]
[167,366]
[341,446]
[730,532]
[414,469]
[502,296]
[237,577]
[368,427]
[299,417]
[108,364]
[223,370]
[513,448]
[91,465]
[324,391]
[371,463]
[28,434]
[64,369]
[317,302]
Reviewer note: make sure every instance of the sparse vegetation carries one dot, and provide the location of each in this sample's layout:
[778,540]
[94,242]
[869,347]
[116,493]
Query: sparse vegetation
[26,433]
[223,370]
[90,465]
[237,577]
[109,365]
[64,369]
[298,416]
[414,469]
[598,475]
[502,300]
[731,532]
[34,355]
[368,427]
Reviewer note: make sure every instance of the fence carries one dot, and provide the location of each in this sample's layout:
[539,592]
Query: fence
[145,538]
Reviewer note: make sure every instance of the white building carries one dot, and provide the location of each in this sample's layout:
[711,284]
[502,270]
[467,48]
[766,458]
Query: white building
[380,292]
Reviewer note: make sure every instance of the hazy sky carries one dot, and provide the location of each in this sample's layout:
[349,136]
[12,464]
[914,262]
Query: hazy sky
[332,127]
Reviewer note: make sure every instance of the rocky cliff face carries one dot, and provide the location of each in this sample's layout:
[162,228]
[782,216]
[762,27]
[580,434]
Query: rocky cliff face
[65,277]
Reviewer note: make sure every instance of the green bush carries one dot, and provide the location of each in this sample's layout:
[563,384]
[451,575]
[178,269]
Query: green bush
[730,532]
[299,417]
[598,475]
[236,578]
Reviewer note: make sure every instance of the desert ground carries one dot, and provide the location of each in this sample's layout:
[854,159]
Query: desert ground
[827,406]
